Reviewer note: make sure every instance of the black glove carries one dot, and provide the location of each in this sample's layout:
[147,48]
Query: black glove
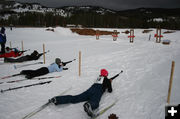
[65,68]
[52,100]
[64,64]
[110,90]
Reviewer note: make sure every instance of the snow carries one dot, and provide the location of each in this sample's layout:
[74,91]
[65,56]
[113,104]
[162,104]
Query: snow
[158,19]
[141,89]
[5,17]
[18,7]
[17,4]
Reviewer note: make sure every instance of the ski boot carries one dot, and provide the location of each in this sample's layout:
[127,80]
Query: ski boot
[88,109]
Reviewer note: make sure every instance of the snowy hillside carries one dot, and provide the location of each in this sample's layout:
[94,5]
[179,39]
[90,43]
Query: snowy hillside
[17,8]
[141,89]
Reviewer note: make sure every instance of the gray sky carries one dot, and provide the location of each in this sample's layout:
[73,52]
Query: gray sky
[112,4]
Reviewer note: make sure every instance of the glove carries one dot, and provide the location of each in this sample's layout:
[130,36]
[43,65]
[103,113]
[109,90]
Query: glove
[64,64]
[65,68]
[110,90]
[52,100]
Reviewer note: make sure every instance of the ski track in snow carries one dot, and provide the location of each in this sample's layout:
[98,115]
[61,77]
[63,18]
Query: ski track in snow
[141,89]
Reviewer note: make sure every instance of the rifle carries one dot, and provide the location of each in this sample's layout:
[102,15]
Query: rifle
[44,52]
[64,63]
[121,72]
[23,51]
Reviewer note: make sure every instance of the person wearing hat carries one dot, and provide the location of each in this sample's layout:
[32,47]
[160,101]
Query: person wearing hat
[54,67]
[92,96]
[33,56]
[2,40]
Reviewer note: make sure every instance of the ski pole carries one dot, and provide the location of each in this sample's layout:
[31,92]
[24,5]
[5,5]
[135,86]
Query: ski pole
[43,106]
[41,78]
[19,66]
[11,76]
[33,79]
[41,83]
[24,51]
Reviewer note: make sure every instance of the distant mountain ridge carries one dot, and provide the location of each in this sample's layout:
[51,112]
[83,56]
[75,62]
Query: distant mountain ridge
[87,16]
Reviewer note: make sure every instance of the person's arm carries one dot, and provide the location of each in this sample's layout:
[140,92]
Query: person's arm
[107,85]
[59,69]
[110,88]
[116,75]
[4,38]
[43,53]
[65,68]
[54,68]
[38,56]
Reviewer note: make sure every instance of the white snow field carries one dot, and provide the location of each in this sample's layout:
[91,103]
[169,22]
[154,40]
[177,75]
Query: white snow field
[141,89]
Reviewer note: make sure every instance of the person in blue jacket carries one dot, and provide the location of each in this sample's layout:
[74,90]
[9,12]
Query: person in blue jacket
[92,96]
[58,66]
[2,40]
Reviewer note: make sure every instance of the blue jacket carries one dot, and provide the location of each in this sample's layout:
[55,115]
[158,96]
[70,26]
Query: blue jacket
[2,38]
[54,68]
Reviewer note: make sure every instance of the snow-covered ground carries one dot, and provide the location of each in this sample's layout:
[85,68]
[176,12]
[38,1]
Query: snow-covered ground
[141,89]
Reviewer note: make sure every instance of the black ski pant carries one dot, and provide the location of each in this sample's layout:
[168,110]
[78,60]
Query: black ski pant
[92,95]
[21,59]
[34,73]
[2,47]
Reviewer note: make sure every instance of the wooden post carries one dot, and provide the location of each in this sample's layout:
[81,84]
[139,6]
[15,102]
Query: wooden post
[22,45]
[10,44]
[97,34]
[79,63]
[158,35]
[44,53]
[170,82]
[131,35]
[115,35]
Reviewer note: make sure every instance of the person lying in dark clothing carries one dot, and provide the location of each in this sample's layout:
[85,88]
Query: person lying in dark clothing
[57,66]
[92,96]
[34,56]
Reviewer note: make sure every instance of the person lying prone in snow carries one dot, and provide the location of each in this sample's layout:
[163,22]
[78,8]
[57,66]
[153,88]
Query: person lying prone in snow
[58,66]
[92,96]
[34,56]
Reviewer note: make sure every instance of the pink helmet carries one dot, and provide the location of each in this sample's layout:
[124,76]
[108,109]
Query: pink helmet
[104,72]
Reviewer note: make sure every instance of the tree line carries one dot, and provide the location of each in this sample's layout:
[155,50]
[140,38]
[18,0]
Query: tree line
[126,19]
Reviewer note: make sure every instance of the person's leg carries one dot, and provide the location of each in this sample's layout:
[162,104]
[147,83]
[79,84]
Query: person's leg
[2,48]
[26,72]
[21,59]
[7,59]
[94,100]
[72,99]
[34,73]
[40,72]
